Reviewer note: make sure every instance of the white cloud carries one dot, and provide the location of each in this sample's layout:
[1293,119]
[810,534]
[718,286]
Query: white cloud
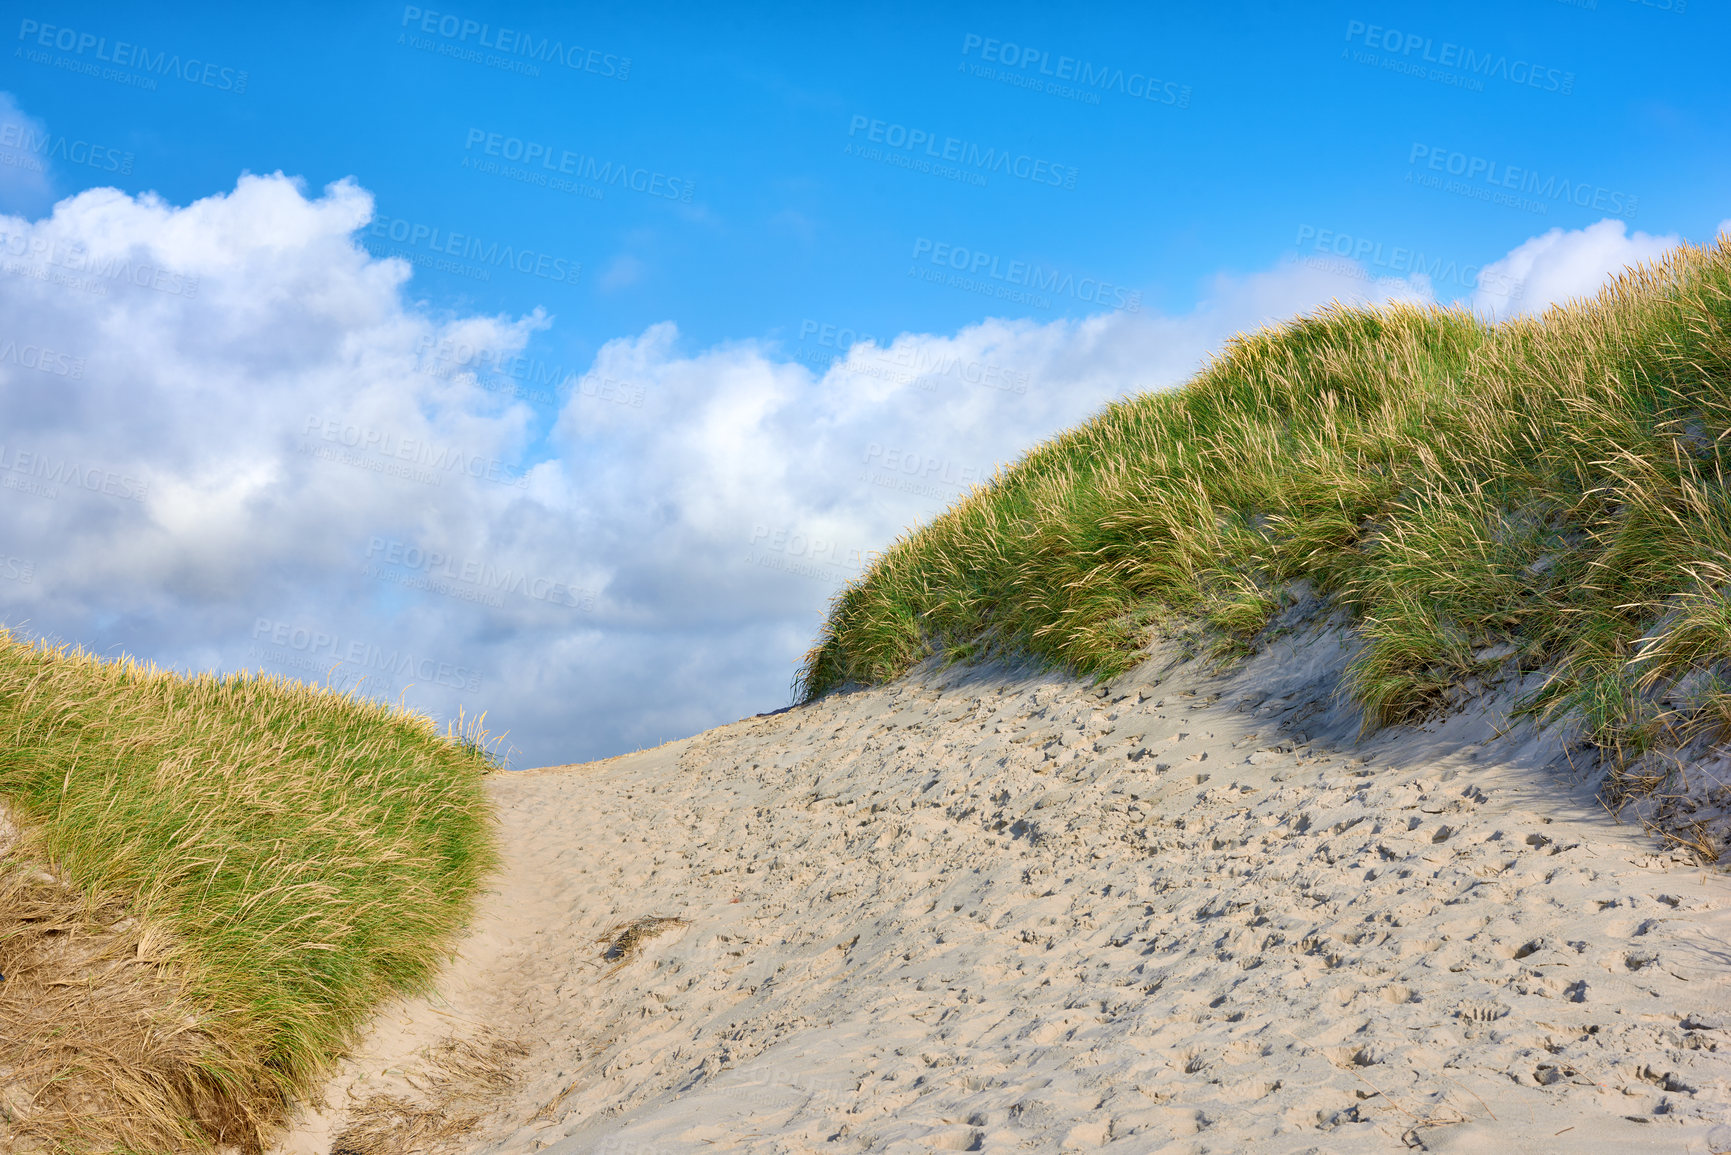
[269,455]
[26,183]
[1560,266]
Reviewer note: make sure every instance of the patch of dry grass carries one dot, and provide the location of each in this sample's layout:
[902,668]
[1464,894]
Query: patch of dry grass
[458,1082]
[98,1045]
[620,944]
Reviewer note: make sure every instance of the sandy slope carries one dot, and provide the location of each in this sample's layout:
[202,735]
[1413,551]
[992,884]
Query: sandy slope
[1000,910]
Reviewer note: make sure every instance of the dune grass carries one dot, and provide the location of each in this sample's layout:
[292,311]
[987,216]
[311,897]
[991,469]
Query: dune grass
[299,855]
[1536,494]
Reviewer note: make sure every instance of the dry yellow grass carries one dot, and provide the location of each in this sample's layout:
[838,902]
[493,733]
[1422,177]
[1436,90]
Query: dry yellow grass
[621,943]
[98,1044]
[457,1083]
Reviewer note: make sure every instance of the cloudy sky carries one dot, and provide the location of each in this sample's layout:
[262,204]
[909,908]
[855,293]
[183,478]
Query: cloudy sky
[561,364]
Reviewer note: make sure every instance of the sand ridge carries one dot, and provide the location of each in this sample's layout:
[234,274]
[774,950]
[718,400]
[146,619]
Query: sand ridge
[997,909]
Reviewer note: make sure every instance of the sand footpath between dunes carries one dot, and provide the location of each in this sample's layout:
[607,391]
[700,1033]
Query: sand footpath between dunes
[996,909]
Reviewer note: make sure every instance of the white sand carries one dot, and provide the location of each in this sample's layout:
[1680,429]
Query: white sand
[999,910]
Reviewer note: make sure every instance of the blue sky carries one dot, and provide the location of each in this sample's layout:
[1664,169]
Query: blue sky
[754,109]
[1068,202]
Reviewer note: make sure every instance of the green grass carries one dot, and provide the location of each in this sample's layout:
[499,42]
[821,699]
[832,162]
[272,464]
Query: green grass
[308,853]
[1554,485]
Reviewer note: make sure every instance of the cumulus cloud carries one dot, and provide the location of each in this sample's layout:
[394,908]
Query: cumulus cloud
[1563,265]
[206,407]
[230,440]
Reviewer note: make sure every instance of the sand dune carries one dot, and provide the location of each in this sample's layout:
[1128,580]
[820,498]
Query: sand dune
[995,909]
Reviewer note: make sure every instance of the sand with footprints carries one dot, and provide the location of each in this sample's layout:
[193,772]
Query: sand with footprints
[999,909]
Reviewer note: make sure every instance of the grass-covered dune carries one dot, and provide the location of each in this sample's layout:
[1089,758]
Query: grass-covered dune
[1546,492]
[208,885]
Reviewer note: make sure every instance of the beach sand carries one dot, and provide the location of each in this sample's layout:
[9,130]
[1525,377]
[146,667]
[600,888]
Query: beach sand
[998,909]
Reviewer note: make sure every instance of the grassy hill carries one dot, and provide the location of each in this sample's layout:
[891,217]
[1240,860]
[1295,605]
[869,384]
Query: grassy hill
[230,873]
[1537,494]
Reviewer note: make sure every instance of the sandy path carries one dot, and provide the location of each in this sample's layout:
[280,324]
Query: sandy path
[999,910]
